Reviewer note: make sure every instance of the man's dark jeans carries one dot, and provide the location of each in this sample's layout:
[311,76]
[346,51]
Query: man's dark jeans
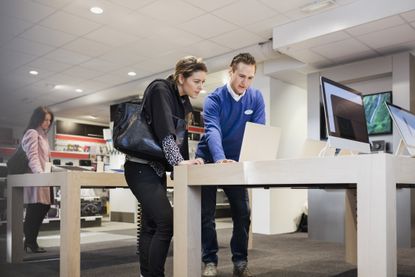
[239,203]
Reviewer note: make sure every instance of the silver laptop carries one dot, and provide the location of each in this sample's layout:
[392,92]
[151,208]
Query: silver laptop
[260,142]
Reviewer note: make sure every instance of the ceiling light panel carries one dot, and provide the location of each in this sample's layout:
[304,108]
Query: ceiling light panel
[69,23]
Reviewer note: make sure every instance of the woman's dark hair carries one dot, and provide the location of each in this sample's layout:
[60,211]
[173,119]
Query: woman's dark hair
[187,66]
[245,58]
[38,116]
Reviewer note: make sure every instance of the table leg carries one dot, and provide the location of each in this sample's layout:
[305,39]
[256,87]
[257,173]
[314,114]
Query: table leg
[351,226]
[70,249]
[14,224]
[376,219]
[187,224]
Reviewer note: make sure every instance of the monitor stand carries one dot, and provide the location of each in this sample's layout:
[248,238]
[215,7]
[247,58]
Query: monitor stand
[401,149]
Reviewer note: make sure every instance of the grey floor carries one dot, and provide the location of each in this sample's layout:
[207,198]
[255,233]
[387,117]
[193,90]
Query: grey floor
[110,250]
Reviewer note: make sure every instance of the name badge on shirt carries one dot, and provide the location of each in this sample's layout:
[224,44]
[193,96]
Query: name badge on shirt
[248,112]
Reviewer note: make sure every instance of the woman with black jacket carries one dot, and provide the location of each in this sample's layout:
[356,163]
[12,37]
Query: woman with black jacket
[166,105]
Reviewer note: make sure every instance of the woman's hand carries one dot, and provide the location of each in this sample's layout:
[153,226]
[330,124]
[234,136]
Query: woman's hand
[192,162]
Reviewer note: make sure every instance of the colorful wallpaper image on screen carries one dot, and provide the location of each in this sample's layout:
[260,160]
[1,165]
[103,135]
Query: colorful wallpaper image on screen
[377,116]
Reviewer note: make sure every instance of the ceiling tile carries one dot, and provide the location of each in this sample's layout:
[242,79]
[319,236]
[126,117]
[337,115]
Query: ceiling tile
[211,4]
[110,37]
[113,78]
[49,65]
[131,4]
[168,11]
[111,12]
[265,27]
[205,49]
[387,37]
[207,26]
[237,39]
[92,86]
[14,26]
[284,6]
[137,24]
[26,10]
[375,26]
[47,36]
[64,80]
[81,72]
[23,73]
[66,56]
[245,12]
[69,23]
[153,67]
[124,55]
[137,68]
[5,38]
[409,16]
[12,59]
[54,3]
[28,47]
[175,36]
[100,65]
[342,48]
[87,47]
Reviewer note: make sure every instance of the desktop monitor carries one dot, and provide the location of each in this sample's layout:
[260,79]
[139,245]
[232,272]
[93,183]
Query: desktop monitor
[345,117]
[405,122]
[378,119]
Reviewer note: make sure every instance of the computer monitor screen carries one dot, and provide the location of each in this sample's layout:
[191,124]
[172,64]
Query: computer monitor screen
[345,117]
[405,121]
[378,119]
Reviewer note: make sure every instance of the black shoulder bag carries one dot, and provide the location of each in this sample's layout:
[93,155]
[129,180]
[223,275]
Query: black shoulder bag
[132,134]
[18,163]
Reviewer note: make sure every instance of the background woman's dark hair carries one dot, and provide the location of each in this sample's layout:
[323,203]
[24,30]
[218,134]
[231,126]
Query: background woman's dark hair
[38,116]
[245,58]
[187,66]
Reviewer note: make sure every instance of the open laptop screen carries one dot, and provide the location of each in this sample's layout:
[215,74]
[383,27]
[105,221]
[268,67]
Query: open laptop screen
[405,121]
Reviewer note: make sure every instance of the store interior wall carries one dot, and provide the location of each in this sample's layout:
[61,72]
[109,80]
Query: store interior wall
[326,208]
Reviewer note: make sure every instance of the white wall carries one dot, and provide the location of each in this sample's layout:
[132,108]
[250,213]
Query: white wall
[277,210]
[326,222]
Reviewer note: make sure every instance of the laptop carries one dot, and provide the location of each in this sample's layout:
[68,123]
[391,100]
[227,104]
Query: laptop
[260,142]
[405,121]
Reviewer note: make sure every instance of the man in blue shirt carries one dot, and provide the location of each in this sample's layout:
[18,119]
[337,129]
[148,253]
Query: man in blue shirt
[225,113]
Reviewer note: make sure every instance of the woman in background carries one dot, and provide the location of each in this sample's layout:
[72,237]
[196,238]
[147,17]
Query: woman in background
[38,199]
[166,102]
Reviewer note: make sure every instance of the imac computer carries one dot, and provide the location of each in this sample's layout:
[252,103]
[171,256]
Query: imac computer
[345,117]
[405,122]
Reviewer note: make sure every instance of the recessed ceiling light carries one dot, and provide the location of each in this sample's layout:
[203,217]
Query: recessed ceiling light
[96,10]
[33,72]
[79,90]
[131,73]
[58,87]
[92,117]
[317,5]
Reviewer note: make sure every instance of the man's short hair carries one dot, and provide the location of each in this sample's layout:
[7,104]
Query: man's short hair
[245,58]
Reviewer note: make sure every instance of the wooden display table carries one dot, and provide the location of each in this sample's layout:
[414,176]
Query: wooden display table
[375,177]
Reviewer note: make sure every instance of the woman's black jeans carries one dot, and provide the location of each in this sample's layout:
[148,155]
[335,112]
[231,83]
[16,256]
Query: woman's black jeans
[157,217]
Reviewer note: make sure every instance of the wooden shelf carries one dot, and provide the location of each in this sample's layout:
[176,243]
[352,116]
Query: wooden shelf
[79,138]
[69,155]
